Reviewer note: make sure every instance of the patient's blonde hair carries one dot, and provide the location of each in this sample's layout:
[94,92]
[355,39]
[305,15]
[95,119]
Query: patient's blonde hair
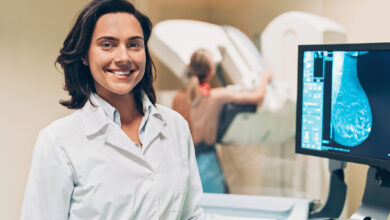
[200,67]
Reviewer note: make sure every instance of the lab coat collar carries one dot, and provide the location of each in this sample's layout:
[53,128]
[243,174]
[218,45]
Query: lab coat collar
[107,107]
[95,116]
[97,122]
[152,123]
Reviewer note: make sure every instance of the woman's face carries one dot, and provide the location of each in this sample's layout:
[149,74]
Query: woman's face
[116,56]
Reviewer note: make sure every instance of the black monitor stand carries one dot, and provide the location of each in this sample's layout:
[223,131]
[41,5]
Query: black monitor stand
[337,193]
[376,199]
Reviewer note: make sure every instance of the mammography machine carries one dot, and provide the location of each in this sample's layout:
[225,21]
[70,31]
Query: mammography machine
[240,62]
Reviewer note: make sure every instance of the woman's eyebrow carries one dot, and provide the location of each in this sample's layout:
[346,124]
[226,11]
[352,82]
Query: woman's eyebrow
[136,38]
[107,38]
[115,39]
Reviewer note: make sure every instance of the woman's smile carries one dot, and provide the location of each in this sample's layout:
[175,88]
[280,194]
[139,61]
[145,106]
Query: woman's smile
[120,73]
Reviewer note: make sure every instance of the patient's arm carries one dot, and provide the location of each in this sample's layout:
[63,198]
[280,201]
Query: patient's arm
[182,105]
[255,96]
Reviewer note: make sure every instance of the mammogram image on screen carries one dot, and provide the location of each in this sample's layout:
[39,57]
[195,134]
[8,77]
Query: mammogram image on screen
[351,117]
[346,102]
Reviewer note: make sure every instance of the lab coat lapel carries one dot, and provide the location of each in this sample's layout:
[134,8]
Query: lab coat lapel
[118,138]
[154,129]
[96,123]
[153,125]
[93,119]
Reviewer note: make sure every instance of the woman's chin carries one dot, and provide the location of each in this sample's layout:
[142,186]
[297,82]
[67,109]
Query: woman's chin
[117,91]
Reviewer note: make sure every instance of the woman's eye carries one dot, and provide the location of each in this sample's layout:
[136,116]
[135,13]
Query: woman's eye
[135,45]
[106,45]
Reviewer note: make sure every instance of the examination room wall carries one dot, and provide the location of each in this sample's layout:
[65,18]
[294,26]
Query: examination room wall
[32,33]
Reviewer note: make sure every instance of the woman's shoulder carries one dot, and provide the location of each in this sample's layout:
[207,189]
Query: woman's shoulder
[170,115]
[220,94]
[179,98]
[168,112]
[63,126]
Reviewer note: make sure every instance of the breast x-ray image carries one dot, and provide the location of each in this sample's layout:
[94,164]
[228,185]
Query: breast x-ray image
[346,100]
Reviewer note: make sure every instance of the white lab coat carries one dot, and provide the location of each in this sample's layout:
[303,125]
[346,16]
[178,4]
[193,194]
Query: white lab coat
[85,167]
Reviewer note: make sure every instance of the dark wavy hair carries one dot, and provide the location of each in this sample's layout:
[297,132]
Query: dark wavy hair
[78,79]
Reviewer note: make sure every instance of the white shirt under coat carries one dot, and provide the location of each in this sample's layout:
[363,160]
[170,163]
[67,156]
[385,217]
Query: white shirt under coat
[85,167]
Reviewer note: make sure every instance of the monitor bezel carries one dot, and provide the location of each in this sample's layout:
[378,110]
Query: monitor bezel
[385,46]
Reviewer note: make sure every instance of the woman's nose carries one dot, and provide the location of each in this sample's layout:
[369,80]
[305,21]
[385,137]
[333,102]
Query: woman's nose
[122,56]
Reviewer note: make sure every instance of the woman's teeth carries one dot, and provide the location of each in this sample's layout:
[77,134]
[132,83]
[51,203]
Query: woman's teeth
[121,73]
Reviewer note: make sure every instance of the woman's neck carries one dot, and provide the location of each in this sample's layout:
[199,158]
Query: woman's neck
[125,104]
[204,89]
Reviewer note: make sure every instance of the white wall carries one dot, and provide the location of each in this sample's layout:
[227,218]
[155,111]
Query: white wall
[30,86]
[365,20]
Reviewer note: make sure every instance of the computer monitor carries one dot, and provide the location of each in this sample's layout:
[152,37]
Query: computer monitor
[343,103]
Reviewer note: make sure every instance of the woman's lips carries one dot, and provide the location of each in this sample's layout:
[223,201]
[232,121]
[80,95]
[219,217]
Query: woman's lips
[121,74]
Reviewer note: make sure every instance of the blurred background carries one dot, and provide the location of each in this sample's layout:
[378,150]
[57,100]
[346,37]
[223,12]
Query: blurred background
[32,33]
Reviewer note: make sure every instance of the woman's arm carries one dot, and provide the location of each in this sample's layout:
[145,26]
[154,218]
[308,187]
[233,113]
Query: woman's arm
[255,96]
[182,105]
[50,183]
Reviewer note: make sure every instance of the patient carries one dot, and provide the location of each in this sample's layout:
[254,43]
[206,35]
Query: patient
[200,105]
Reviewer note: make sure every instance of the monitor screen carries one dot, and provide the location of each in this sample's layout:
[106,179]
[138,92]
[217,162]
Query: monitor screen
[343,105]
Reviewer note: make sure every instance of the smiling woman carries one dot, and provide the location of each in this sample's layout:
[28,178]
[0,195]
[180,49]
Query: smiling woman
[120,155]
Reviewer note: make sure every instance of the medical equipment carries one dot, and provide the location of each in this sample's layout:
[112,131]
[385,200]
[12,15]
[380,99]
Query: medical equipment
[173,42]
[343,92]
[255,206]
